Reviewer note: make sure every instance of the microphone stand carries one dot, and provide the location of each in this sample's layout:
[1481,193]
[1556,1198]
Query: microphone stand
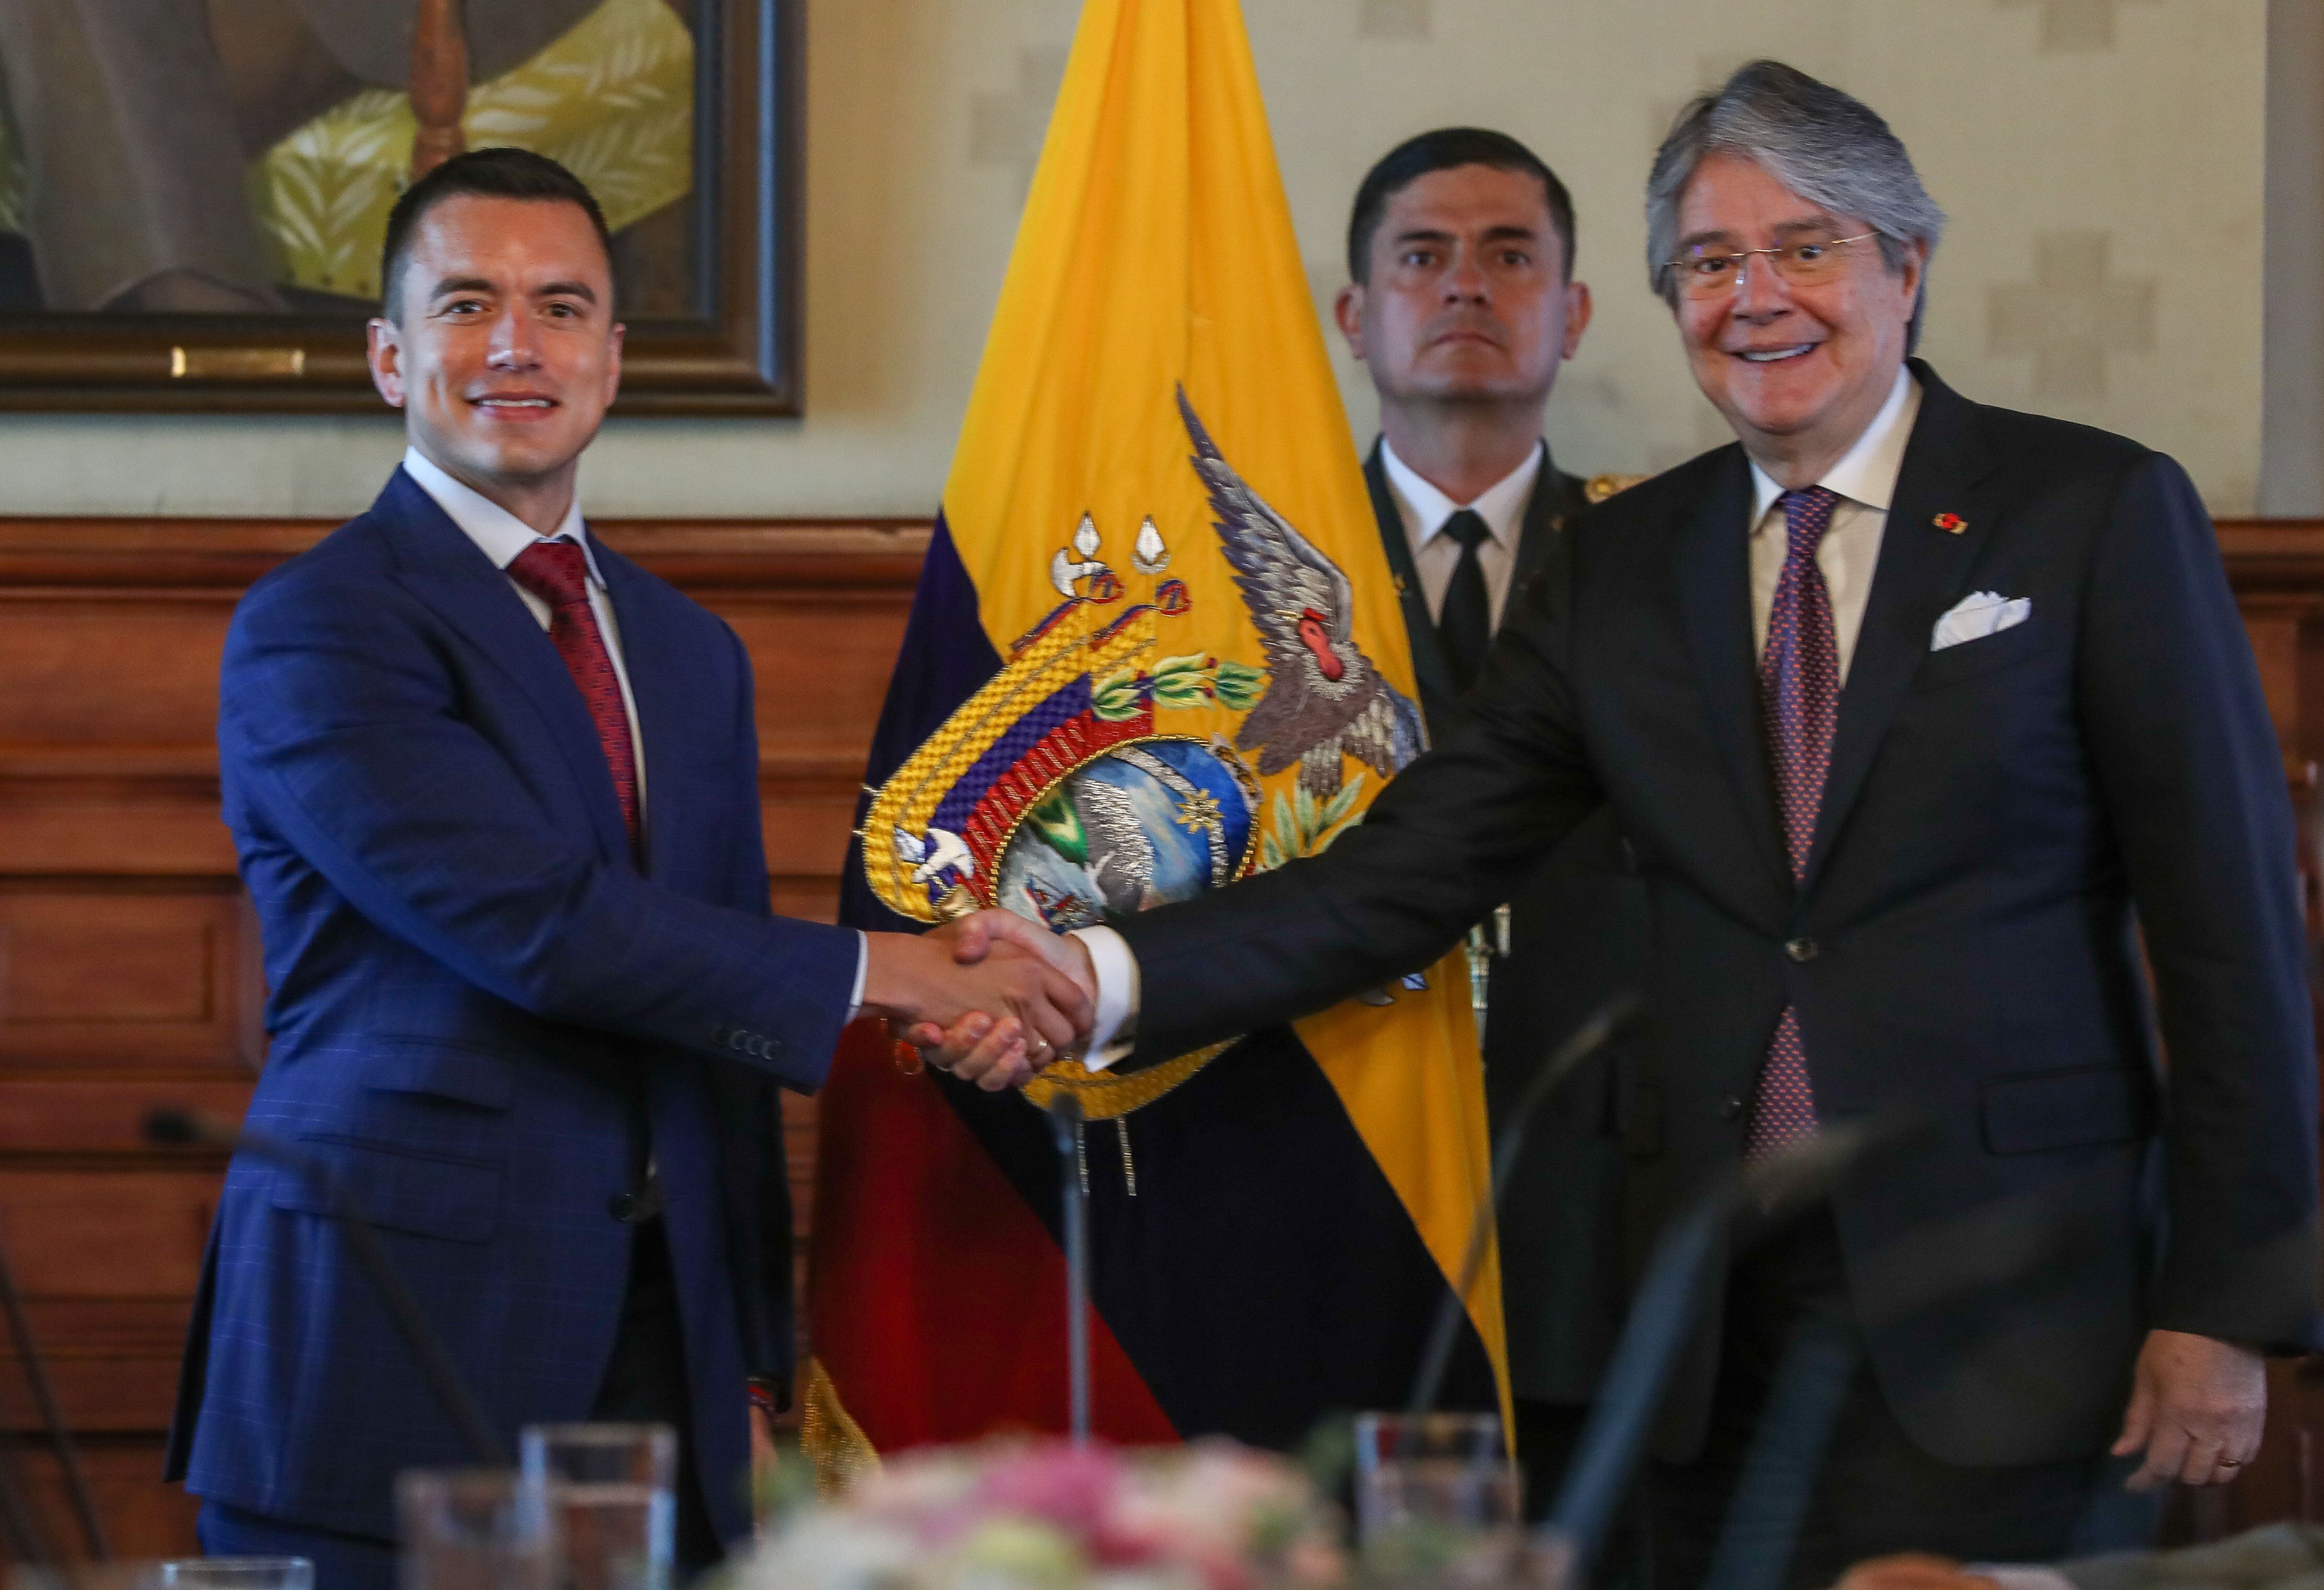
[1991,1246]
[1065,1119]
[45,1397]
[1762,1527]
[1663,1315]
[1600,1028]
[444,1378]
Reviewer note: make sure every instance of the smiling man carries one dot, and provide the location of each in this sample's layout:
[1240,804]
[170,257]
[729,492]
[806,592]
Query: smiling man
[1922,718]
[495,794]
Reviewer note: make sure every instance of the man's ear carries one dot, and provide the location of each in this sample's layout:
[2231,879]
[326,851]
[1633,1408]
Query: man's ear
[613,365]
[1348,311]
[1578,305]
[384,352]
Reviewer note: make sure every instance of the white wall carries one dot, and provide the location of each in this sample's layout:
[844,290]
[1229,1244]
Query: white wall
[2118,144]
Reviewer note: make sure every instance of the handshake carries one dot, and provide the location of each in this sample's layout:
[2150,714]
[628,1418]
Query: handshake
[992,998]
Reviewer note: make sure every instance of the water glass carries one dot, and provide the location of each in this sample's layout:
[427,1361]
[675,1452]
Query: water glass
[238,1573]
[481,1528]
[613,1489]
[1436,1475]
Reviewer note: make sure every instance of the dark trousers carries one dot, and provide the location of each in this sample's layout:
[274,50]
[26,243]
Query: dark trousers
[645,1383]
[1877,1491]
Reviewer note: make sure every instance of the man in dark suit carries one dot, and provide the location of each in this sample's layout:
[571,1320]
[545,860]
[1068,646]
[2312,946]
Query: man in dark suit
[1919,715]
[495,794]
[1461,303]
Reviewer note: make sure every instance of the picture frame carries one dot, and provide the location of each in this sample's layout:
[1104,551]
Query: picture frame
[709,284]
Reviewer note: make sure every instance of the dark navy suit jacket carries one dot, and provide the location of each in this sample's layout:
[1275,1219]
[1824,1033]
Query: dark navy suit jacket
[485,1014]
[1998,819]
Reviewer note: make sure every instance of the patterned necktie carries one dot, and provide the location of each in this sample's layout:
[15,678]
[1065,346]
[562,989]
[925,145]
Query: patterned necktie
[1799,705]
[558,574]
[1464,624]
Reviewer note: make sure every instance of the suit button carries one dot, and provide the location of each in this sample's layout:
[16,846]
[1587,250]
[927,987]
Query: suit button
[1801,949]
[622,1205]
[1730,1106]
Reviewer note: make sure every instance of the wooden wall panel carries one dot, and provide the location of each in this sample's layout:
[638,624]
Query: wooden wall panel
[146,974]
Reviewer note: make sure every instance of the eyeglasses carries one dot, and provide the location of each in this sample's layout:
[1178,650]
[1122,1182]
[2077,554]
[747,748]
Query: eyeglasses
[1802,263]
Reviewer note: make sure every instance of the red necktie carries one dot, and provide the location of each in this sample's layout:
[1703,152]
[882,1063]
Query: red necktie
[1799,706]
[558,574]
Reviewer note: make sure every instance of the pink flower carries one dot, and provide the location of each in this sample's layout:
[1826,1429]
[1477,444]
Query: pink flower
[1076,1488]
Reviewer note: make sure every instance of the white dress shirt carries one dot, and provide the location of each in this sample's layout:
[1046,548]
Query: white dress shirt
[1434,555]
[501,536]
[1865,480]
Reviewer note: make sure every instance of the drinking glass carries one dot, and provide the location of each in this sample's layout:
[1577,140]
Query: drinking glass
[613,1490]
[484,1528]
[238,1573]
[1432,1477]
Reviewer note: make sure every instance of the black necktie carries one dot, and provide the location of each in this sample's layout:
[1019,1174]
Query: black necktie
[1464,624]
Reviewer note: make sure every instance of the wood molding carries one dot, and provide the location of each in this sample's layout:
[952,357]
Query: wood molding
[48,553]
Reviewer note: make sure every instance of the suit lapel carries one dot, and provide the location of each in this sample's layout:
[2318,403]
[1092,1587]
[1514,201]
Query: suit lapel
[1440,702]
[1714,586]
[657,676]
[1917,579]
[444,568]
[1547,512]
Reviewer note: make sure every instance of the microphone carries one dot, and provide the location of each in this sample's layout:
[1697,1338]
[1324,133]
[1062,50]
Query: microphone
[1065,1118]
[178,1128]
[1743,1202]
[1601,1027]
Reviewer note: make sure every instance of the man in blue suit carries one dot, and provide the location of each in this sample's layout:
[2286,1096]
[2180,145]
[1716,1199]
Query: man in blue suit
[495,794]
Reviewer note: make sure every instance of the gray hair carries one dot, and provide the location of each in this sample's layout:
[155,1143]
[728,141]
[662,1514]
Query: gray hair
[1827,146]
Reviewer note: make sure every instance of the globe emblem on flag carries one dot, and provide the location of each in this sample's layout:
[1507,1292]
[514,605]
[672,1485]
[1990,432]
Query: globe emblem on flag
[1139,826]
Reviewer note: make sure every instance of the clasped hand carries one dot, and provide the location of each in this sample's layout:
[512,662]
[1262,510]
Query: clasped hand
[992,998]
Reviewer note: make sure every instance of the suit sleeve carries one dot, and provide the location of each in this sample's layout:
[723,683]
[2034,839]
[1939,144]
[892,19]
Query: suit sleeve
[1435,853]
[341,728]
[2188,773]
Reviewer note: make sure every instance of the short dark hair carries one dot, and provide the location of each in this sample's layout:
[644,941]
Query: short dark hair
[1441,151]
[488,173]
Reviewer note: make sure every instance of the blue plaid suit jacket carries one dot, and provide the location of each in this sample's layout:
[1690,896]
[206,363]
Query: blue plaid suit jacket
[482,1008]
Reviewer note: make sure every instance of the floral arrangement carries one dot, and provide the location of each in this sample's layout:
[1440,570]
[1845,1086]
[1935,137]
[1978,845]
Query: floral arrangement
[1010,1515]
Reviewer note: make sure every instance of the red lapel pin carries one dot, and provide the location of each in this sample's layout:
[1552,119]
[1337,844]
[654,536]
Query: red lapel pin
[1951,523]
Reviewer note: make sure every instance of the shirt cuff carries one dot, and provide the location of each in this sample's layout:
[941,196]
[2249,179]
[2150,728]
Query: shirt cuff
[863,969]
[1114,1028]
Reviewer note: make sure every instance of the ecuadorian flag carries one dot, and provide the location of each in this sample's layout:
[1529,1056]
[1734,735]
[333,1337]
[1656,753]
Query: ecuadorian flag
[1156,646]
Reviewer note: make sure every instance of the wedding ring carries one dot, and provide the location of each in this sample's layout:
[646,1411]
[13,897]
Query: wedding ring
[2228,1462]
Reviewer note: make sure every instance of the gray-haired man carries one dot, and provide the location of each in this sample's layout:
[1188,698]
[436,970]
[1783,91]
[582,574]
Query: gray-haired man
[1909,708]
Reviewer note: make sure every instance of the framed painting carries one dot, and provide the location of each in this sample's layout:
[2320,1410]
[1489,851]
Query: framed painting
[193,192]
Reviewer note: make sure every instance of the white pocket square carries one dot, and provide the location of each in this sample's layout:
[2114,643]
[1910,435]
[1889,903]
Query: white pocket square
[1978,614]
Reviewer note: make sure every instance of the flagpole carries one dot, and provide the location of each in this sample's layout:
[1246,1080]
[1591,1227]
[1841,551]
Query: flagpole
[1065,1118]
